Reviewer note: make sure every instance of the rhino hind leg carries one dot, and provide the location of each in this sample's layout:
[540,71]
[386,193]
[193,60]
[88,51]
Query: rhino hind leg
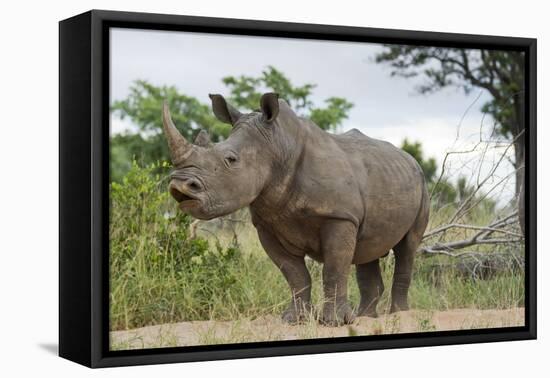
[338,244]
[404,258]
[404,253]
[371,287]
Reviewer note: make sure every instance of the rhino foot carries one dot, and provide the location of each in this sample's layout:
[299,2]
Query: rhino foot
[337,315]
[296,314]
[370,312]
[397,306]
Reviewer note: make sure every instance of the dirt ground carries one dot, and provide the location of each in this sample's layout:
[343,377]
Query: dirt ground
[272,328]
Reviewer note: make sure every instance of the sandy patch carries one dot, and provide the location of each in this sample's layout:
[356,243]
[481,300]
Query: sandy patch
[272,328]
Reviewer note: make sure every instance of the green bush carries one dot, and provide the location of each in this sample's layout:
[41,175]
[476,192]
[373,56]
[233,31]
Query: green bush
[155,268]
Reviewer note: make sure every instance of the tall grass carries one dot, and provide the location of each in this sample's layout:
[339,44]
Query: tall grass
[159,275]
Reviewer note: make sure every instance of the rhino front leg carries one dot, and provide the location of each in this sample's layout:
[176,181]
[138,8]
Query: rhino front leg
[296,274]
[338,240]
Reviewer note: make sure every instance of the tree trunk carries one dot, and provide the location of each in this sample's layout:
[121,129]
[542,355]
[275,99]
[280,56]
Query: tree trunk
[521,203]
[519,149]
[518,134]
[519,164]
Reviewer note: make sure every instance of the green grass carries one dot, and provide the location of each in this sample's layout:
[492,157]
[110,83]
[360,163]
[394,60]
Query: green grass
[159,275]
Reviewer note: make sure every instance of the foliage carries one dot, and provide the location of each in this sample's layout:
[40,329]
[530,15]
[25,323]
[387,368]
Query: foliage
[245,92]
[330,117]
[443,192]
[129,147]
[429,165]
[144,103]
[153,262]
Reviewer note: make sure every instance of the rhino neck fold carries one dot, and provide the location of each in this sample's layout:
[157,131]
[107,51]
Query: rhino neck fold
[280,188]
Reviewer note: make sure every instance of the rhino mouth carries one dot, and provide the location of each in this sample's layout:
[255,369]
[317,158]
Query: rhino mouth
[183,198]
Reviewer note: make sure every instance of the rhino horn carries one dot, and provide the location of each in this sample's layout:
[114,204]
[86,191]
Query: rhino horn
[179,147]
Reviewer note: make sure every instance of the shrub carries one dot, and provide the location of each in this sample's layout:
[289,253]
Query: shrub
[155,268]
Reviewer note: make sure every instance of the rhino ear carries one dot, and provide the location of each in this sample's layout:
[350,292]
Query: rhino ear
[202,139]
[223,111]
[269,104]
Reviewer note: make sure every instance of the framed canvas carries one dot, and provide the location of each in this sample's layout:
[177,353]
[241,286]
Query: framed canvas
[236,188]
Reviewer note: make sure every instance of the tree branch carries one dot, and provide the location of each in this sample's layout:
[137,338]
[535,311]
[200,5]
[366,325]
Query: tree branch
[469,227]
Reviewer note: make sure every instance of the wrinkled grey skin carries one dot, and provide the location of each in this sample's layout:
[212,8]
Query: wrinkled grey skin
[340,199]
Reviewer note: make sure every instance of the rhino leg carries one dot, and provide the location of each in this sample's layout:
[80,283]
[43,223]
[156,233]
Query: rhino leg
[371,287]
[404,259]
[404,253]
[338,246]
[296,274]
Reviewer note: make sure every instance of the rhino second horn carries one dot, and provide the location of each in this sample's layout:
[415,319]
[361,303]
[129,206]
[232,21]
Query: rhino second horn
[179,147]
[203,139]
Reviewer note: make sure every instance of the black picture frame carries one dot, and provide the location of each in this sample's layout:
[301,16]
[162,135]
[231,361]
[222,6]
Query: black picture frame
[84,172]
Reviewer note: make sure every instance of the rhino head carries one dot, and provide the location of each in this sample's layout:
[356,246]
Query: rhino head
[211,180]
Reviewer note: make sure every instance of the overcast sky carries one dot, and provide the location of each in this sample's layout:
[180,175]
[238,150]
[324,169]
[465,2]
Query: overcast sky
[385,107]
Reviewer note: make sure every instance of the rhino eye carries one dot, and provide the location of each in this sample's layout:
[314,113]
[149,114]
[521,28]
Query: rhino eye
[194,185]
[230,160]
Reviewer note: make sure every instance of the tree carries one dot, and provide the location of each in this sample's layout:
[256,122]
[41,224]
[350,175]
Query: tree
[429,166]
[143,106]
[442,192]
[246,92]
[501,73]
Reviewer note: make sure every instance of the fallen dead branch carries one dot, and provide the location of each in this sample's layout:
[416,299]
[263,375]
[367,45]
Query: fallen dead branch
[484,235]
